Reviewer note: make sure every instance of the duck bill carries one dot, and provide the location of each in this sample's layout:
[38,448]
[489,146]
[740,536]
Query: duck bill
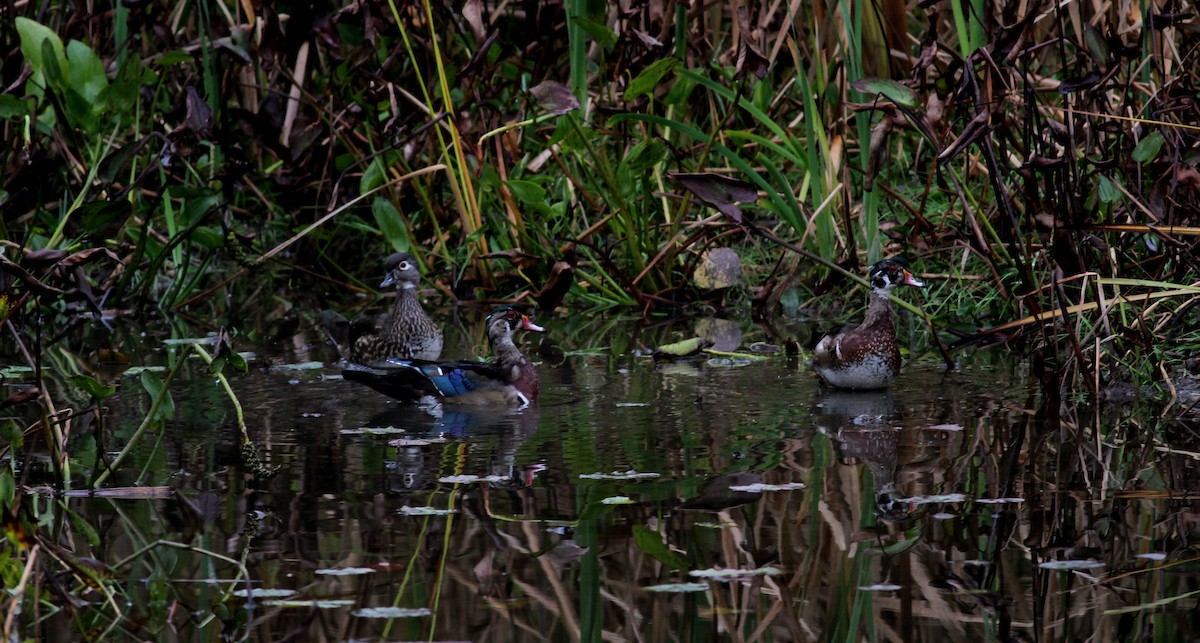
[389,280]
[528,325]
[910,280]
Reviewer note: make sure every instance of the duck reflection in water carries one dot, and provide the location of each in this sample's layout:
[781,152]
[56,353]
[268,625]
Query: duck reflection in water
[493,438]
[863,426]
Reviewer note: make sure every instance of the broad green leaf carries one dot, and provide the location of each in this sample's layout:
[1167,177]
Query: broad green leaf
[650,77]
[890,89]
[92,387]
[13,107]
[1107,190]
[599,32]
[373,176]
[651,543]
[8,486]
[154,386]
[390,224]
[527,191]
[86,72]
[33,35]
[1147,149]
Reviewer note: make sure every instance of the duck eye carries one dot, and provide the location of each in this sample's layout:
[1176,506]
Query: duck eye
[403,265]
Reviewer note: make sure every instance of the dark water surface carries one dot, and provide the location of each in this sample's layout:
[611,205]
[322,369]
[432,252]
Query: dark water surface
[941,509]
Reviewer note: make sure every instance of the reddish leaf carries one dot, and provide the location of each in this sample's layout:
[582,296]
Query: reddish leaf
[718,191]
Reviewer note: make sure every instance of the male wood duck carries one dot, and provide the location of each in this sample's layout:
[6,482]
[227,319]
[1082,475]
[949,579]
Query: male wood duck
[867,357]
[508,379]
[403,332]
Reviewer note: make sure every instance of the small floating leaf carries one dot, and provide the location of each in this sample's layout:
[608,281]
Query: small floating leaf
[619,475]
[345,571]
[678,588]
[685,348]
[760,487]
[1072,564]
[617,500]
[467,479]
[425,511]
[302,366]
[733,575]
[321,604]
[926,500]
[263,592]
[391,612]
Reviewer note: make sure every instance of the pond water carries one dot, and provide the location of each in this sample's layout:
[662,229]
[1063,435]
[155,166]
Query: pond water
[622,506]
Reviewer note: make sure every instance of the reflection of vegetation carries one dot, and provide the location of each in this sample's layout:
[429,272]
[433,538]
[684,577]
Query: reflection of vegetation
[188,159]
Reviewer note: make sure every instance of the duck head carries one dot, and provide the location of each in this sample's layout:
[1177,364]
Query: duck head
[401,270]
[889,273]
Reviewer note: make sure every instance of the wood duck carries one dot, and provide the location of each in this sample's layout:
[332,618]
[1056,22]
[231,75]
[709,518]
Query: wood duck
[403,332]
[867,357]
[508,379]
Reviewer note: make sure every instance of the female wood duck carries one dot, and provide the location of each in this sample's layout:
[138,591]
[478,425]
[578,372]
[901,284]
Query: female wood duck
[867,357]
[508,379]
[403,332]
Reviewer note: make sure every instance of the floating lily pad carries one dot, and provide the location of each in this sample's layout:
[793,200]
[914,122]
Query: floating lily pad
[467,479]
[426,511]
[678,588]
[1072,564]
[263,592]
[728,362]
[372,430]
[617,500]
[760,487]
[926,500]
[321,604]
[302,366]
[734,575]
[618,475]
[415,442]
[345,571]
[392,612]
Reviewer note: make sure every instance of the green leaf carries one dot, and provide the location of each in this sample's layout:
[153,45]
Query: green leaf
[390,224]
[13,107]
[651,543]
[54,65]
[11,433]
[373,176]
[33,35]
[92,387]
[8,486]
[1147,149]
[599,32]
[82,526]
[892,90]
[527,191]
[154,386]
[86,72]
[650,77]
[1108,190]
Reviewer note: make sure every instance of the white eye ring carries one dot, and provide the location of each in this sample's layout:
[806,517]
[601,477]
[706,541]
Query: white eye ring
[403,265]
